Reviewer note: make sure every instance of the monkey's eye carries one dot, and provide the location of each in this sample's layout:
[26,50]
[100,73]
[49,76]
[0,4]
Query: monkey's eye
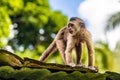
[70,25]
[81,24]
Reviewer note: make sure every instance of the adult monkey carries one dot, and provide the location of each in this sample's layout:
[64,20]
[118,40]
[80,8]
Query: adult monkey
[69,37]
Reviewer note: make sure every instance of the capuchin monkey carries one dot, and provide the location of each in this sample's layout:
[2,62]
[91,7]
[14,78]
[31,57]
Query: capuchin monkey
[71,37]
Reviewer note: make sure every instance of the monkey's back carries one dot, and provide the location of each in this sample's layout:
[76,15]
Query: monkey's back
[62,34]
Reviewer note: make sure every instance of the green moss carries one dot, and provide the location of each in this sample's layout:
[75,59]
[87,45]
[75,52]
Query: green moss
[95,76]
[6,72]
[25,73]
[76,75]
[57,76]
[113,76]
[28,74]
[40,73]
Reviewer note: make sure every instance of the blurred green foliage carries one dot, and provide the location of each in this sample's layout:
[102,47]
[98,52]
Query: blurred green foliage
[112,23]
[5,23]
[29,26]
[32,23]
[105,56]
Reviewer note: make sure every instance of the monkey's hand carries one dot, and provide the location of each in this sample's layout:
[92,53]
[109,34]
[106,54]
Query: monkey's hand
[71,64]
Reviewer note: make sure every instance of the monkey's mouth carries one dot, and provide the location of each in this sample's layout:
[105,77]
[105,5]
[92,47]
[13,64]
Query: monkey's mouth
[70,31]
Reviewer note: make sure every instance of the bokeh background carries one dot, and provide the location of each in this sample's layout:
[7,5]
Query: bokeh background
[27,27]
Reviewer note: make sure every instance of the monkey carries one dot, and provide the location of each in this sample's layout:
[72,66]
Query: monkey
[71,37]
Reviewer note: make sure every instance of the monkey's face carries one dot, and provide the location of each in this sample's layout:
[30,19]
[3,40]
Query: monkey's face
[73,27]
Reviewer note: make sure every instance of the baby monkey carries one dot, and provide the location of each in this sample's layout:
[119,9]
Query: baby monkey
[69,37]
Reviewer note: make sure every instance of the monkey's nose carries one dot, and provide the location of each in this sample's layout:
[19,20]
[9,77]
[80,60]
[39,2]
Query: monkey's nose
[70,31]
[69,28]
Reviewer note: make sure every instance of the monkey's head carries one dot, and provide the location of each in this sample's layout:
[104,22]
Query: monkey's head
[75,24]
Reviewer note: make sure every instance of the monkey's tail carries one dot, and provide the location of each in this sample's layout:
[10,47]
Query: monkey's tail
[47,52]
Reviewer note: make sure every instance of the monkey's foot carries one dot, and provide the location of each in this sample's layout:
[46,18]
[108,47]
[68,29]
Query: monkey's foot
[92,68]
[81,65]
[71,64]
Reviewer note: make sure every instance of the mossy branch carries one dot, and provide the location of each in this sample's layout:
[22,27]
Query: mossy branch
[8,58]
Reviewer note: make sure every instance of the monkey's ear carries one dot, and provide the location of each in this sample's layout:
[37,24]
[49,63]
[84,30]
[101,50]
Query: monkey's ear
[82,25]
